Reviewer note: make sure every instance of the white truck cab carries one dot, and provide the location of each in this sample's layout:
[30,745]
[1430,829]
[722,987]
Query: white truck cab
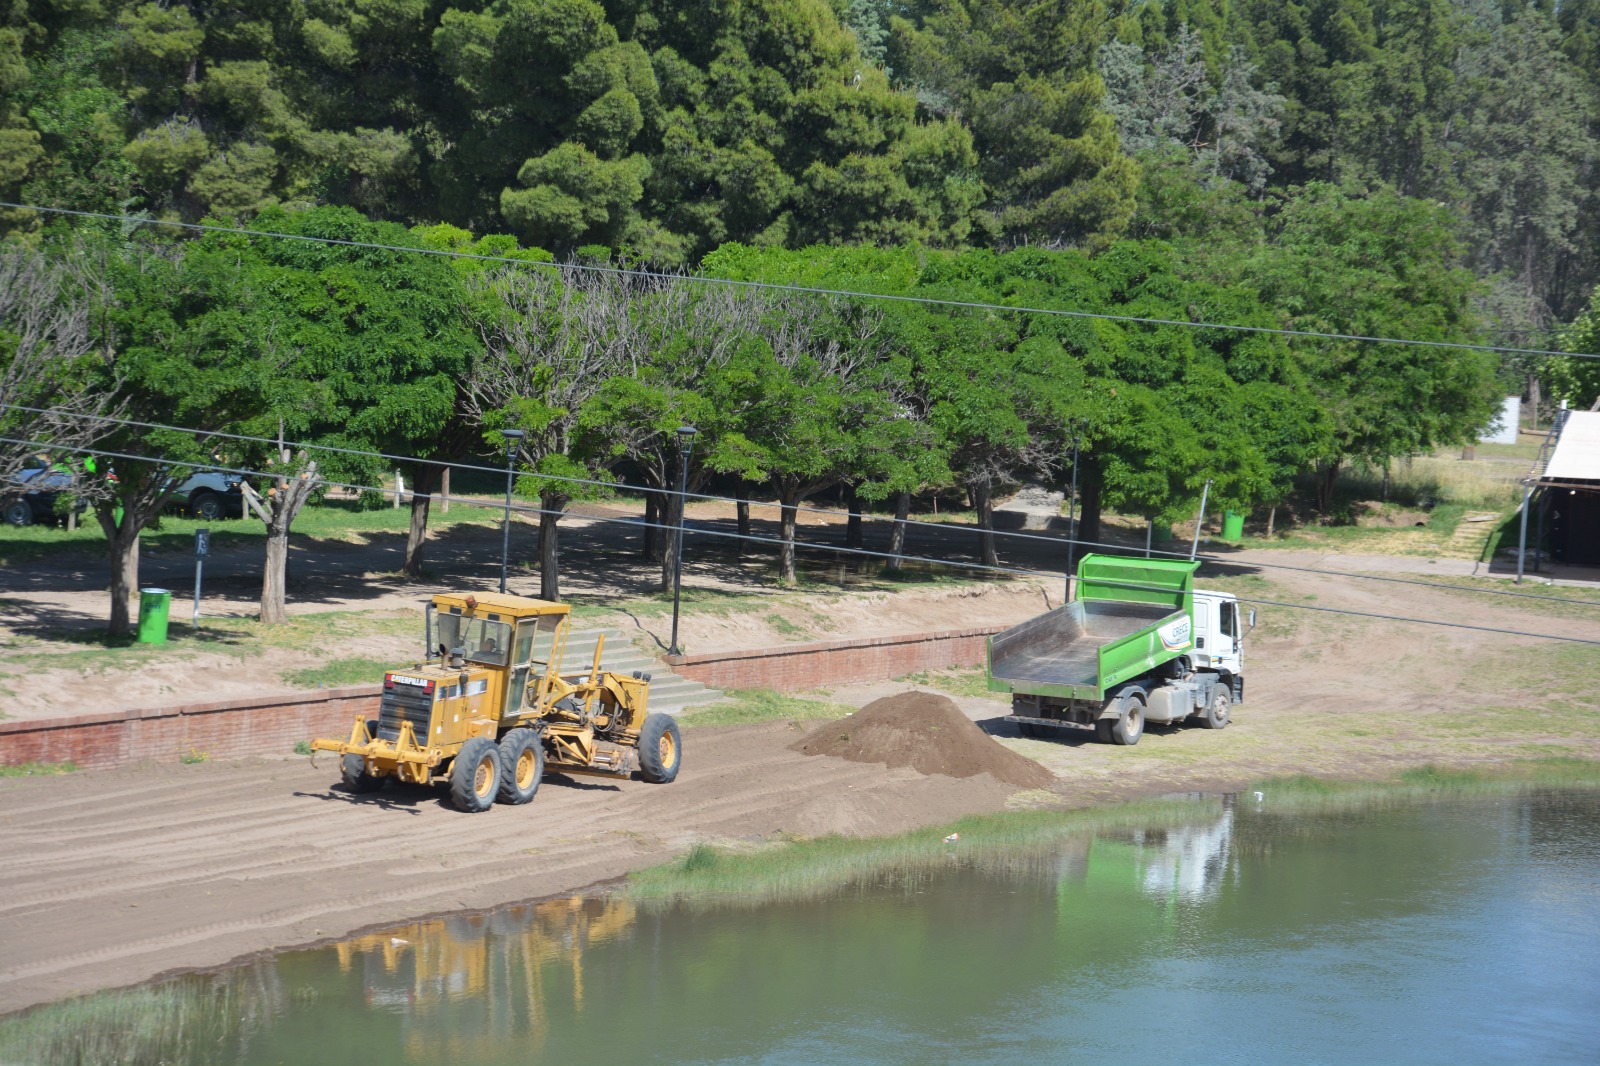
[1219,637]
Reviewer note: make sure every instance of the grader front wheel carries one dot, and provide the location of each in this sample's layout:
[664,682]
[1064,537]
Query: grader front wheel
[660,749]
[475,775]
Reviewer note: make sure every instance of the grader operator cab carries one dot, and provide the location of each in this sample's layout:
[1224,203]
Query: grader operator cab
[489,711]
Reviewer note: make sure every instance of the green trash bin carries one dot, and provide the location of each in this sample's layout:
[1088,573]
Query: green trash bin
[153,607]
[1161,533]
[1232,525]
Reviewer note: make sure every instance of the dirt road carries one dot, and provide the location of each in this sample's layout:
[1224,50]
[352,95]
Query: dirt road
[113,877]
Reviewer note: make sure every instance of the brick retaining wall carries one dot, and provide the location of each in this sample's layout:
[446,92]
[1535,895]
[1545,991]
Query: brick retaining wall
[796,667]
[273,724]
[228,729]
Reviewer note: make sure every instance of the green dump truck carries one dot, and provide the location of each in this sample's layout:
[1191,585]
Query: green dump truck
[1138,644]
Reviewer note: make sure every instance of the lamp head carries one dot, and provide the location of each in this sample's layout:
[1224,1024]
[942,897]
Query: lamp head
[686,438]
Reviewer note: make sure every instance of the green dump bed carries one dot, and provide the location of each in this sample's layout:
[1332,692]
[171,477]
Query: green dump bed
[1130,616]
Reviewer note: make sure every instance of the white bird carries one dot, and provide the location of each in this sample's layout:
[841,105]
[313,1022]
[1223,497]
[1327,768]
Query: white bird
[952,838]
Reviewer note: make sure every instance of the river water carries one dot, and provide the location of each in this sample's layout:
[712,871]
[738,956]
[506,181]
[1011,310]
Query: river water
[1446,932]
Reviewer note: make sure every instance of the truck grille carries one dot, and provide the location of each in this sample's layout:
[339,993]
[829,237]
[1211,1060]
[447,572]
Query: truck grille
[398,706]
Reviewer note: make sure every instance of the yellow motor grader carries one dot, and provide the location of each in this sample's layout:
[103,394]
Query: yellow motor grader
[489,711]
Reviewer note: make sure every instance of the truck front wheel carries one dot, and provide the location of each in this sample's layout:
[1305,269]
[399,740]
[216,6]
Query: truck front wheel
[475,775]
[1129,726]
[1216,716]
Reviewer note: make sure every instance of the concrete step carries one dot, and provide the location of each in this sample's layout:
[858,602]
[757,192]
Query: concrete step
[669,693]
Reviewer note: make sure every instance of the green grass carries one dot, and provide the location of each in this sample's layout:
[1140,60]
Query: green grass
[783,627]
[802,867]
[965,683]
[302,747]
[338,673]
[180,1022]
[744,706]
[38,769]
[239,637]
[1302,791]
[798,868]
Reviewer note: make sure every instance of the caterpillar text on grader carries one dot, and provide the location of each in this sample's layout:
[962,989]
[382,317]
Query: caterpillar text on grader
[490,712]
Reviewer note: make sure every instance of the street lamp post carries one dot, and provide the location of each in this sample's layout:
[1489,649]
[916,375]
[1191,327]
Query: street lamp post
[685,447]
[513,441]
[1072,513]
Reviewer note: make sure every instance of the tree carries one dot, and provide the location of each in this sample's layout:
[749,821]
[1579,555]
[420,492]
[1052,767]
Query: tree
[555,339]
[1020,72]
[290,491]
[1524,148]
[47,361]
[169,326]
[685,361]
[1388,266]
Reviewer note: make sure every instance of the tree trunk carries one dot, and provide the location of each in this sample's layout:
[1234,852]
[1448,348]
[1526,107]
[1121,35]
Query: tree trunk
[1272,517]
[549,560]
[283,506]
[852,529]
[1089,492]
[742,508]
[673,508]
[789,503]
[897,532]
[652,517]
[981,490]
[1534,397]
[274,578]
[1327,476]
[122,545]
[424,476]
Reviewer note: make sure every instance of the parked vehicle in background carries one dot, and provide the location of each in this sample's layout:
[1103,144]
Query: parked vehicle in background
[210,495]
[34,494]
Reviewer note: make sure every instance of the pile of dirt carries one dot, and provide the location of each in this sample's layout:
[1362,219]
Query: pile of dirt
[926,732]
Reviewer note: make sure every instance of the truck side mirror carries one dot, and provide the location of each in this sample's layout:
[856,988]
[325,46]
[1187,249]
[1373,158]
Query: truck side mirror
[1252,618]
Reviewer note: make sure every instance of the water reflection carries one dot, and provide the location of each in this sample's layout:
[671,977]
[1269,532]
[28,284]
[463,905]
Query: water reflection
[1465,931]
[487,979]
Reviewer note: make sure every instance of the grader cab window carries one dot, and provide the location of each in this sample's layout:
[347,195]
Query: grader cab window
[535,639]
[480,640]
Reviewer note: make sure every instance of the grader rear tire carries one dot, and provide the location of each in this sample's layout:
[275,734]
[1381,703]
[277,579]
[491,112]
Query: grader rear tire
[521,765]
[660,749]
[475,775]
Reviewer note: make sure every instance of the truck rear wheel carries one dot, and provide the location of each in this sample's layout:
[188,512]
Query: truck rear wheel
[1129,726]
[660,749]
[353,771]
[521,765]
[1216,715]
[475,775]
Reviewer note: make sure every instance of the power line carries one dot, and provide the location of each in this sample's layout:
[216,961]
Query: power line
[961,564]
[807,289]
[942,526]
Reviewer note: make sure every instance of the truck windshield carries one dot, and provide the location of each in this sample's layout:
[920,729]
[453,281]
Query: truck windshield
[480,640]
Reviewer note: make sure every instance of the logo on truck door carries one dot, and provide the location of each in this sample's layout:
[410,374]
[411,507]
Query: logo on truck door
[1175,634]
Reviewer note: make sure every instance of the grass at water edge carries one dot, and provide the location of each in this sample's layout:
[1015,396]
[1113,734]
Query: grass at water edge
[799,867]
